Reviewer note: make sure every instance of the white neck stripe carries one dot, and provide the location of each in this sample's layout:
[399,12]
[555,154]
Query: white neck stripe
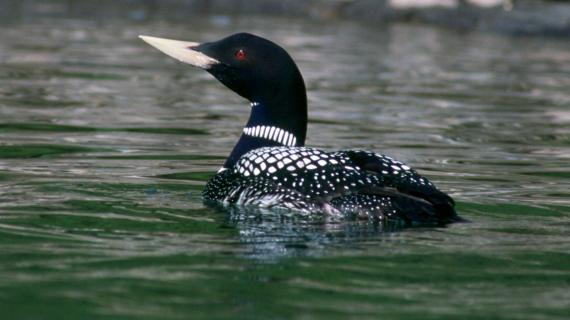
[272,133]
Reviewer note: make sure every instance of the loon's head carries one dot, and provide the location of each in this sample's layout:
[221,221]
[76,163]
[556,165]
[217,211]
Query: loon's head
[258,70]
[255,68]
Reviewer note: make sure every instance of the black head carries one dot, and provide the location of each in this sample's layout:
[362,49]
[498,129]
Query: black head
[253,67]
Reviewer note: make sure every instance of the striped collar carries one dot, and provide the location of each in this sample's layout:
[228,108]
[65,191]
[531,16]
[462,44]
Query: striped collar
[272,133]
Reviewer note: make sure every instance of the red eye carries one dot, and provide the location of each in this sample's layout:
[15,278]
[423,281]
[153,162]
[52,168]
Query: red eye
[240,54]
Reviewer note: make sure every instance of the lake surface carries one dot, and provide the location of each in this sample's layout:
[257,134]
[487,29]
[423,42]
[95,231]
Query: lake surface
[106,144]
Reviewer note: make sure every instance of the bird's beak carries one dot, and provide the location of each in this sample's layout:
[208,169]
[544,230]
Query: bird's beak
[181,50]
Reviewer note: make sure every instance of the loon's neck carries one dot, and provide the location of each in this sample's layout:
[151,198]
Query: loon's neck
[272,122]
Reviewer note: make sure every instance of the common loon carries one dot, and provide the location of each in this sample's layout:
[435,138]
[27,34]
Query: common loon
[270,166]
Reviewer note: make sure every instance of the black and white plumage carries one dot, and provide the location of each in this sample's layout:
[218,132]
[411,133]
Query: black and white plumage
[359,183]
[270,167]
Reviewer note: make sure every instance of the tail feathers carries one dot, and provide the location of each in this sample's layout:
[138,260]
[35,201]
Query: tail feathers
[437,208]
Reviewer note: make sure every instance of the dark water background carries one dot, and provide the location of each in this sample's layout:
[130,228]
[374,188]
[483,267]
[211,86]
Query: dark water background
[105,145]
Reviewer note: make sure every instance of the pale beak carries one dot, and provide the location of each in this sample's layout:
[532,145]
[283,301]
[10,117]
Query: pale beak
[181,50]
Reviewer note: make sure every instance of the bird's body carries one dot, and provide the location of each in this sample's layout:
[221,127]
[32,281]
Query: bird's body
[357,183]
[270,166]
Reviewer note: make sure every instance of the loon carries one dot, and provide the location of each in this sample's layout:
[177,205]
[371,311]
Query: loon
[270,167]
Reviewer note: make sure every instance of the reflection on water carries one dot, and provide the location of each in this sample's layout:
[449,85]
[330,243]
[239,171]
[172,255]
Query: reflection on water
[105,146]
[271,235]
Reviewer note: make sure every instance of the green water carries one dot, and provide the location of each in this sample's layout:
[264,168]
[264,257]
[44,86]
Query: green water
[105,145]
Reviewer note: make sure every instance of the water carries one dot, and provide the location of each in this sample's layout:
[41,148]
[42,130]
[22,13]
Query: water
[105,145]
